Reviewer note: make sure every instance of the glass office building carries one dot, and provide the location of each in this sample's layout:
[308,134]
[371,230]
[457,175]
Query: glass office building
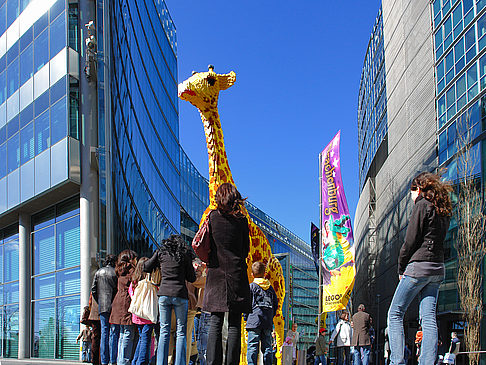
[372,122]
[435,76]
[90,161]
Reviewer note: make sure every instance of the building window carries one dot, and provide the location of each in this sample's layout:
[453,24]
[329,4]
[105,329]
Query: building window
[9,292]
[56,281]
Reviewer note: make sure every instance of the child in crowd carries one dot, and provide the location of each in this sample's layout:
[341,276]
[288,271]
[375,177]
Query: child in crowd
[260,322]
[85,336]
[322,348]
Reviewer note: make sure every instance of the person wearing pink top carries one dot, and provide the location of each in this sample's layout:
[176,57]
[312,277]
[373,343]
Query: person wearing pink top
[145,327]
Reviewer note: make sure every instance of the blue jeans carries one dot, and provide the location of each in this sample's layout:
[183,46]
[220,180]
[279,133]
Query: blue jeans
[408,288]
[202,337]
[320,359]
[180,305]
[125,344]
[255,336]
[105,338]
[114,337]
[142,352]
[343,355]
[361,355]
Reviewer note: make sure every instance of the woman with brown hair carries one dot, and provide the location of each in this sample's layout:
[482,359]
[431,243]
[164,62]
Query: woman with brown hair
[421,265]
[227,287]
[121,318]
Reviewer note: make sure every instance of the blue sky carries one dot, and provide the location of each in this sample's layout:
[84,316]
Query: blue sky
[298,66]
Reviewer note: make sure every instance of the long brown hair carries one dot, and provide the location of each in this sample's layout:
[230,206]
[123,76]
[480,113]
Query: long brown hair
[126,262]
[138,273]
[435,191]
[229,199]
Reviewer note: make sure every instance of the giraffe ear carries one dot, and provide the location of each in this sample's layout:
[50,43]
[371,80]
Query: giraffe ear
[226,80]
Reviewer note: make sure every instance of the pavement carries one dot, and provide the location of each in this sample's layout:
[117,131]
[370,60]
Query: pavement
[38,362]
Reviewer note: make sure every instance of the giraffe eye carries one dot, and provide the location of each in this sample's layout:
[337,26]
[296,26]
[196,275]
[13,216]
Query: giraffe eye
[211,80]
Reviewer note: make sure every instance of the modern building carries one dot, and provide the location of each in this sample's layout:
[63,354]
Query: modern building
[422,77]
[90,160]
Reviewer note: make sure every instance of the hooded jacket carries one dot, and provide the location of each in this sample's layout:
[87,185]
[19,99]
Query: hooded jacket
[264,305]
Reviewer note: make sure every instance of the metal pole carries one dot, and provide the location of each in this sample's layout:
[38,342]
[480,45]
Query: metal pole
[377,332]
[320,244]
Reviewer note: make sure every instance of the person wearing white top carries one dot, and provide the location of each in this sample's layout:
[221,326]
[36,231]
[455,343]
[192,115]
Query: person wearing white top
[343,334]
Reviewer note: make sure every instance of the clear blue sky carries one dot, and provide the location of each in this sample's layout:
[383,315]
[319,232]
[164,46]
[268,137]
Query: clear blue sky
[298,66]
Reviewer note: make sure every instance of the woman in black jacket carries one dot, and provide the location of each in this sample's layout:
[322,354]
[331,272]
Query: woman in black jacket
[175,260]
[227,287]
[421,265]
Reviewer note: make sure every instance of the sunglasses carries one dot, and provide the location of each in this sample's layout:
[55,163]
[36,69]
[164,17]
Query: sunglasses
[414,188]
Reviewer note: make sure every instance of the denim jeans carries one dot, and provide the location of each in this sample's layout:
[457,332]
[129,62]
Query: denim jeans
[320,359]
[142,352]
[180,305]
[114,337]
[255,337]
[105,338]
[125,344]
[343,355]
[202,336]
[408,288]
[361,355]
[214,355]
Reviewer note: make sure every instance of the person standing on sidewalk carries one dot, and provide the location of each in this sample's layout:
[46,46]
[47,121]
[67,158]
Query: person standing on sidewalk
[175,261]
[259,323]
[342,333]
[104,289]
[361,336]
[421,265]
[322,348]
[227,287]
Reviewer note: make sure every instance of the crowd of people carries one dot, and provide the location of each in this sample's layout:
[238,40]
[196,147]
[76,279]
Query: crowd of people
[193,298]
[126,325]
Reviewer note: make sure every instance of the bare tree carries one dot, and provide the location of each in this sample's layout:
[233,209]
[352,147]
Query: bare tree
[470,245]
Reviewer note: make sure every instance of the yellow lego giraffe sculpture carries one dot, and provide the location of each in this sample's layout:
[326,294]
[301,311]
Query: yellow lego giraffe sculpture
[202,90]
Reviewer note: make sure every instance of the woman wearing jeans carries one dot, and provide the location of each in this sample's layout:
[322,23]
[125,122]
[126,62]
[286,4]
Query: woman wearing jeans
[175,260]
[421,265]
[227,288]
[121,318]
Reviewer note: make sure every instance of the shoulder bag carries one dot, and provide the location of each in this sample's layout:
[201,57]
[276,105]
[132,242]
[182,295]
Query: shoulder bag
[144,302]
[202,241]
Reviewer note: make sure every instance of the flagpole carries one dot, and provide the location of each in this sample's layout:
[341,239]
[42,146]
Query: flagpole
[320,244]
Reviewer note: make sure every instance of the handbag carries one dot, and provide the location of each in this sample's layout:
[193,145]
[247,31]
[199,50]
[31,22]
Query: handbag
[144,302]
[449,358]
[202,241]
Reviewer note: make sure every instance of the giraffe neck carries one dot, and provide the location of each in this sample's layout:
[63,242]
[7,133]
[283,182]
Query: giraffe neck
[219,171]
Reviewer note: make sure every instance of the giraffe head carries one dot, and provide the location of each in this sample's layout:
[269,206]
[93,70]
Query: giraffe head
[202,88]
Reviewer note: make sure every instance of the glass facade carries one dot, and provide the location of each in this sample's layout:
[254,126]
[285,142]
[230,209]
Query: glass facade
[460,63]
[55,241]
[34,98]
[146,151]
[372,119]
[9,291]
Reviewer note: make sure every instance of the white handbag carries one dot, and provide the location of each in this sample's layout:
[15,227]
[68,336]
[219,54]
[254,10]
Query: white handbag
[144,302]
[449,358]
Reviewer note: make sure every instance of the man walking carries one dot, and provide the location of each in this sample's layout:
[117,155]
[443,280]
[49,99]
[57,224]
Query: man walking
[361,336]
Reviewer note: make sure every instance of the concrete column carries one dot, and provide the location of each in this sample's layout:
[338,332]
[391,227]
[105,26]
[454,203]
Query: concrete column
[24,286]
[88,204]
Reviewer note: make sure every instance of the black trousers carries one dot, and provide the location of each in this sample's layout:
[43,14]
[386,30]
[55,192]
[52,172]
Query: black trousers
[214,354]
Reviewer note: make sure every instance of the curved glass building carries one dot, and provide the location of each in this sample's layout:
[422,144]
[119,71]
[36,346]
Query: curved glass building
[435,76]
